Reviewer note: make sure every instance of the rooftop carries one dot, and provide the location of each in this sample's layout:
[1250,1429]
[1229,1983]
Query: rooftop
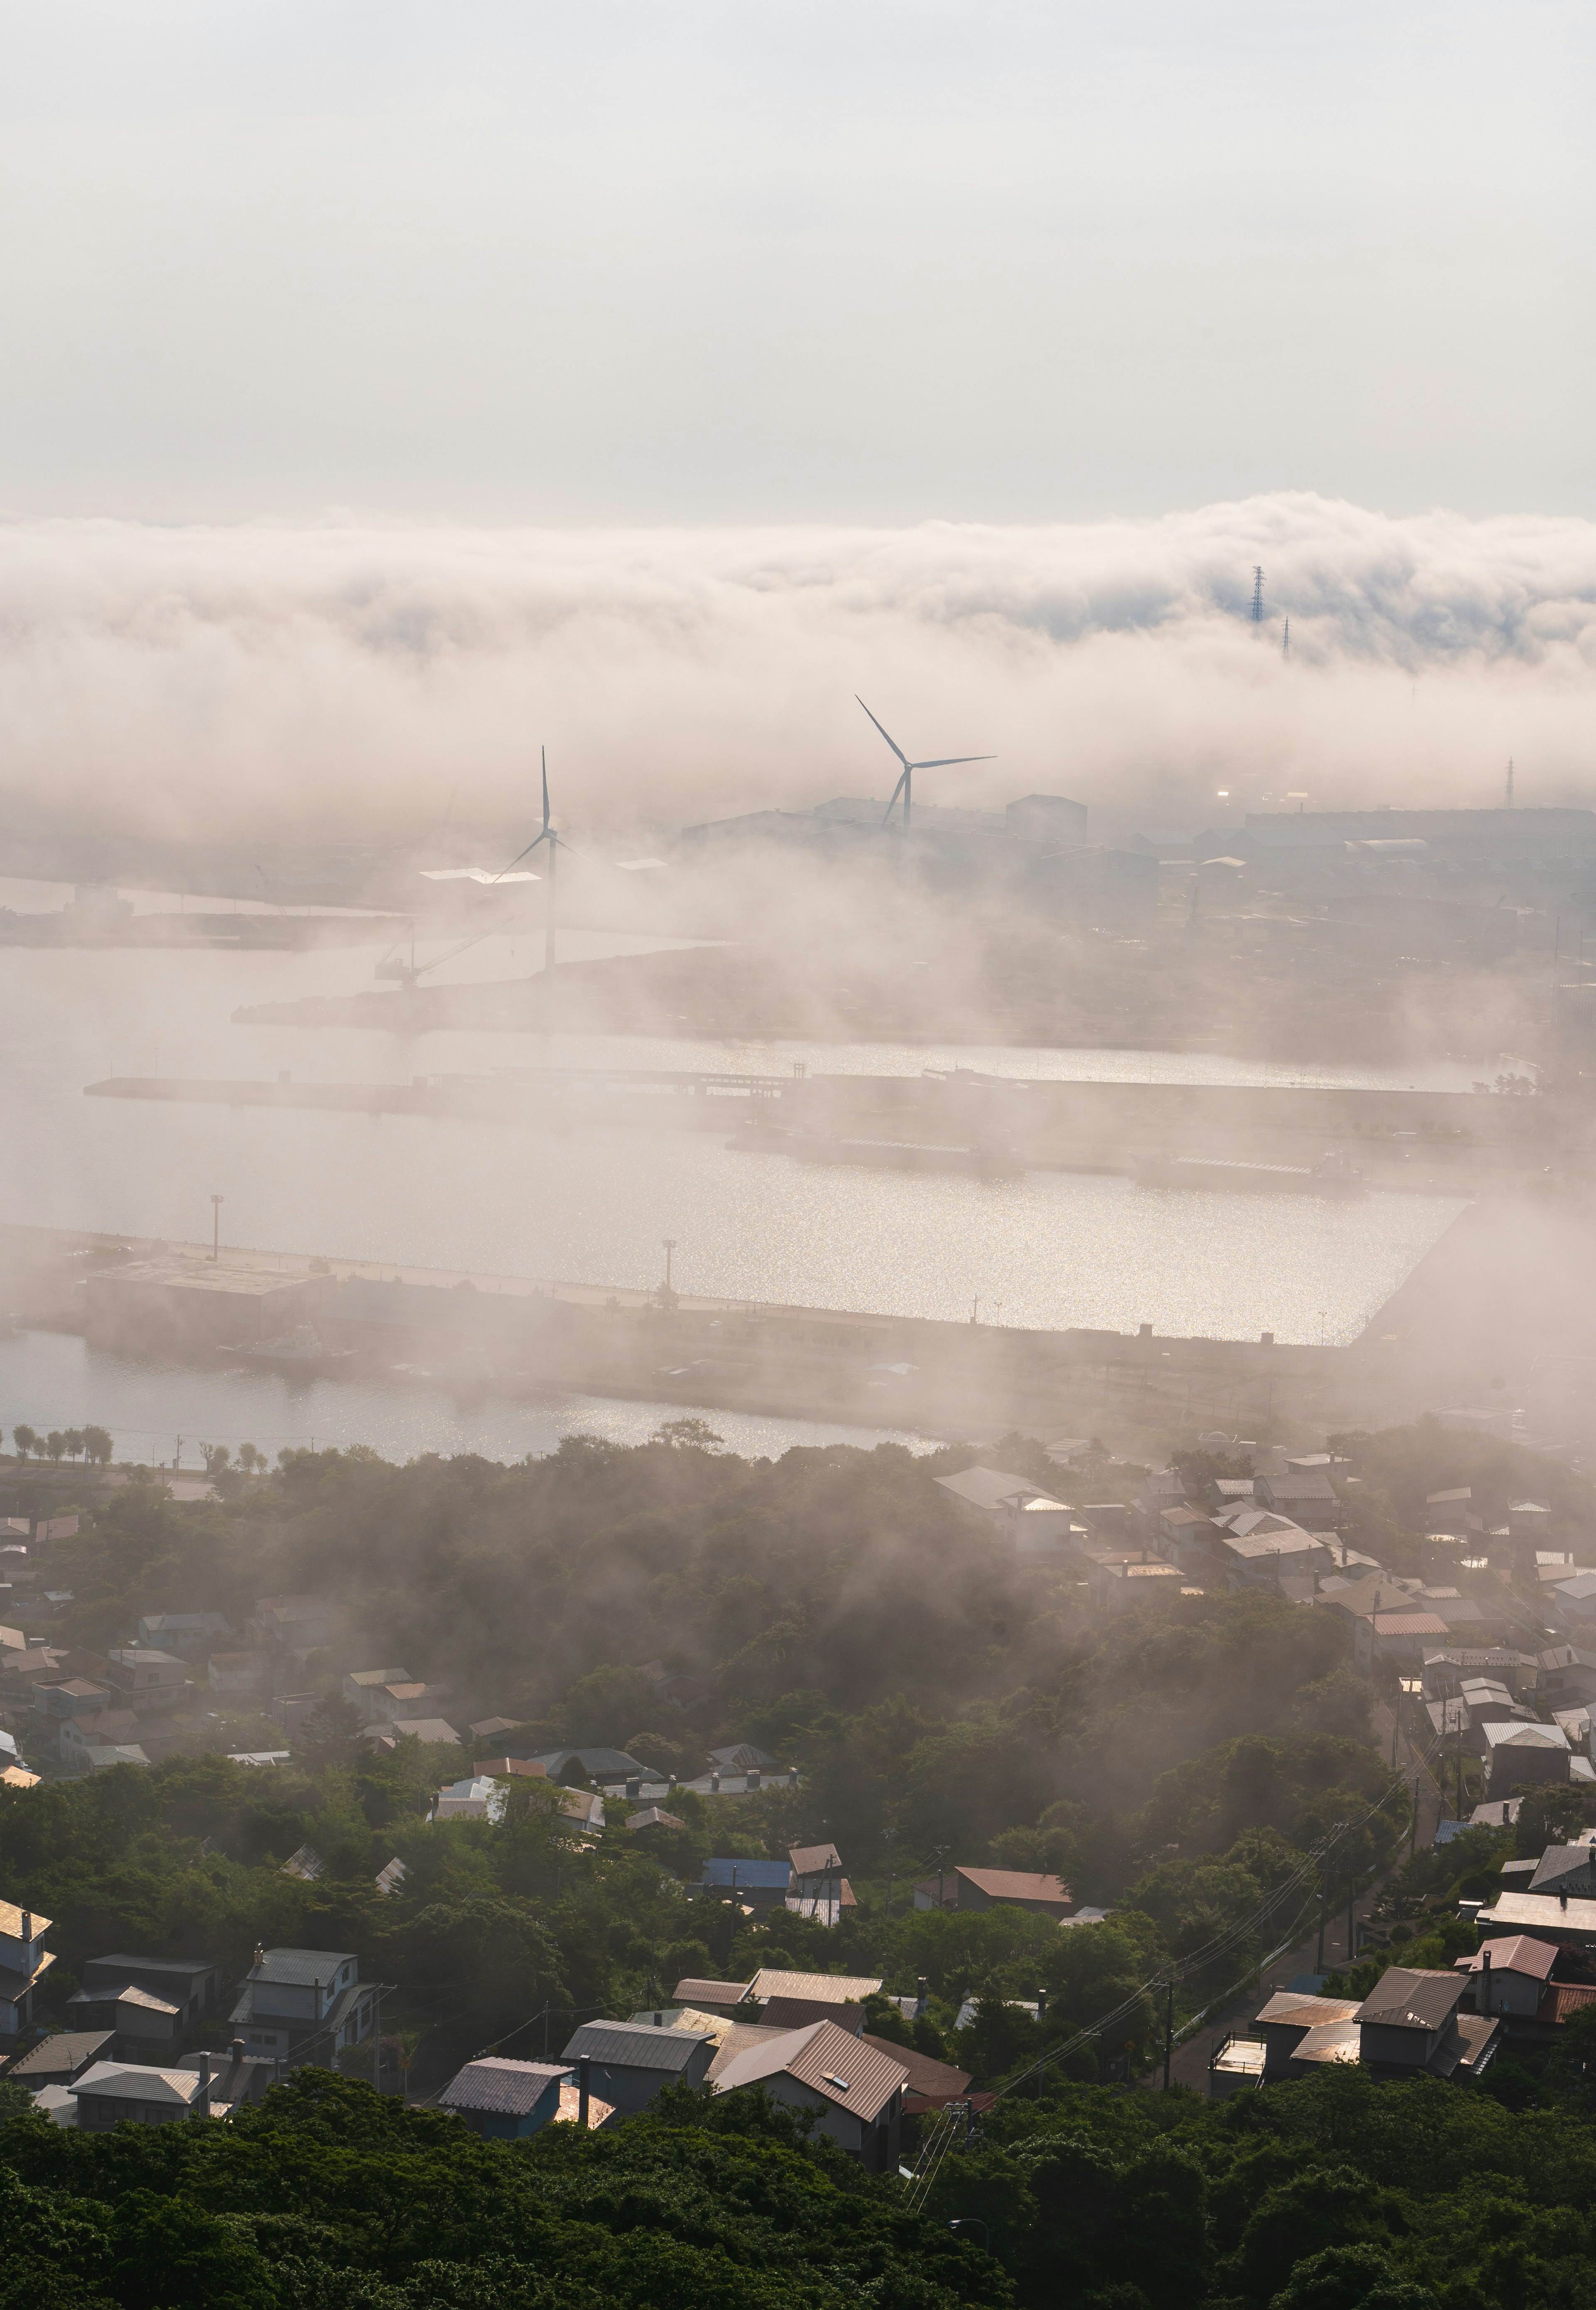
[11,1922]
[847,2073]
[633,2046]
[301,1966]
[1512,1953]
[131,2081]
[1405,2000]
[510,2089]
[816,1988]
[1016,1885]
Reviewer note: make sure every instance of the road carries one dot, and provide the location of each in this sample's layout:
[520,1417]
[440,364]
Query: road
[1190,2065]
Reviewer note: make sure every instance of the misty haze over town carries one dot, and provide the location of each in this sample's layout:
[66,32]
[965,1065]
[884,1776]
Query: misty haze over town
[797,1368]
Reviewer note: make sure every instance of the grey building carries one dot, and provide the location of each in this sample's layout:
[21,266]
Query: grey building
[299,2005]
[630,2061]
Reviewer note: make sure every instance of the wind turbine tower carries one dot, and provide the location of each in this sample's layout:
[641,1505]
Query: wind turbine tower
[905,783]
[552,836]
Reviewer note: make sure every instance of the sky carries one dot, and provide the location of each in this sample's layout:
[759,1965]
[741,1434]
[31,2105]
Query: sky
[618,263]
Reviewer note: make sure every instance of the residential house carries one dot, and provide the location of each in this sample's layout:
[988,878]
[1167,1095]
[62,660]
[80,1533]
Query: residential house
[1569,1675]
[61,2058]
[715,1996]
[1118,1581]
[510,1769]
[299,1624]
[1566,1869]
[1399,1635]
[1409,2023]
[1188,1538]
[74,1695]
[818,1888]
[1033,1519]
[431,1729]
[1446,1670]
[113,2093]
[1270,1553]
[1519,1753]
[240,1675]
[189,1634]
[1567,1919]
[142,2020]
[192,1983]
[855,2090]
[304,2005]
[146,1680]
[602,1766]
[107,1728]
[1451,1514]
[361,1685]
[24,1960]
[1298,1493]
[1301,2033]
[628,2063]
[477,1798]
[996,1888]
[760,1886]
[813,1990]
[1574,1603]
[104,1757]
[1508,1975]
[504,2101]
[652,1817]
[236,2076]
[929,2086]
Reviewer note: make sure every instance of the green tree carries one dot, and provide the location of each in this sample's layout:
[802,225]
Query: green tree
[72,1437]
[99,1444]
[54,1443]
[26,1440]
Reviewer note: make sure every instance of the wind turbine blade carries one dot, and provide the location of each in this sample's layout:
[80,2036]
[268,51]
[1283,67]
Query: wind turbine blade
[899,788]
[948,761]
[543,751]
[896,748]
[520,854]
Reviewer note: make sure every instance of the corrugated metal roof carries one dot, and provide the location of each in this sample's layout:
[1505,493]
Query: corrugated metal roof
[11,1922]
[1512,1953]
[1016,1885]
[757,1876]
[301,1966]
[1289,2005]
[633,2046]
[512,2088]
[850,2075]
[814,1860]
[819,1988]
[1403,1999]
[692,1992]
[129,2082]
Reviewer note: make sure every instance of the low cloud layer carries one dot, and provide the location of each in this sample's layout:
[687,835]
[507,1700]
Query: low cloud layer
[345,678]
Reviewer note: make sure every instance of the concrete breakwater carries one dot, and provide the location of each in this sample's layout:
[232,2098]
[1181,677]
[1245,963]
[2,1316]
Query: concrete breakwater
[1479,1299]
[1443,1141]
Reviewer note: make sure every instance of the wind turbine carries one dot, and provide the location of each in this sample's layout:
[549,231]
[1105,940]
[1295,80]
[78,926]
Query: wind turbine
[553,837]
[905,783]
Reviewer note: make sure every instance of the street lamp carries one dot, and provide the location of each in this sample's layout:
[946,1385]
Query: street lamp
[668,1247]
[216,1203]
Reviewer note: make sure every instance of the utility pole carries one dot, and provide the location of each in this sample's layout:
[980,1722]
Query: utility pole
[1351,1927]
[1168,2028]
[1413,1831]
[216,1203]
[1323,1904]
[668,1247]
[888,1834]
[1258,594]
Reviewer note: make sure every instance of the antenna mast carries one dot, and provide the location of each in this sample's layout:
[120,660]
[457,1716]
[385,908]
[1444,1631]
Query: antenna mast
[1258,594]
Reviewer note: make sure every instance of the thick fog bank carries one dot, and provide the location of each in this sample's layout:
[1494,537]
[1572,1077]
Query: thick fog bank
[348,677]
